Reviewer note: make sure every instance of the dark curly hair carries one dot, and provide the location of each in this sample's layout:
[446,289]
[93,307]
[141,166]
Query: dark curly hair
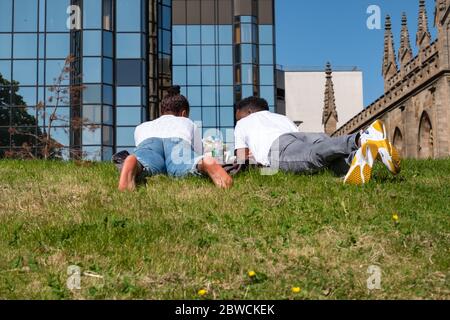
[254,104]
[174,102]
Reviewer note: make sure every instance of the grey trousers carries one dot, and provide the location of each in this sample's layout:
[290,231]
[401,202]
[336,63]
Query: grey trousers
[312,152]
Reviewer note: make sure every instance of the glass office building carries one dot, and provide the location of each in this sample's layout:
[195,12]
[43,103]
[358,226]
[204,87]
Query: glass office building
[223,51]
[121,61]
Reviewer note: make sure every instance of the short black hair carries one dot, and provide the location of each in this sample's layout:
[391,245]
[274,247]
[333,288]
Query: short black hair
[174,101]
[254,104]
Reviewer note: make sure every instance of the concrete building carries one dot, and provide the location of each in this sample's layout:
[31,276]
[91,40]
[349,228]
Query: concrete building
[304,95]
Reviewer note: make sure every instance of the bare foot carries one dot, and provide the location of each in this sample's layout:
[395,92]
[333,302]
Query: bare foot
[127,180]
[215,171]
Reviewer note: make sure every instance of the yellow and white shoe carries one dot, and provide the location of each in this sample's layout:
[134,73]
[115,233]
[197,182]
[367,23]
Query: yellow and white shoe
[387,153]
[360,171]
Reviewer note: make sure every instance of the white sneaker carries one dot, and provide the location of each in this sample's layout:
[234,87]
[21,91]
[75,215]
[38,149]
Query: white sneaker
[360,171]
[387,153]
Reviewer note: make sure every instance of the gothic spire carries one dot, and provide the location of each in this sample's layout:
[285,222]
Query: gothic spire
[405,53]
[423,37]
[390,67]
[330,116]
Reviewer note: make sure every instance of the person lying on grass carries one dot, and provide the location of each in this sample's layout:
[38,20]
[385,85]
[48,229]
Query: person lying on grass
[170,145]
[273,140]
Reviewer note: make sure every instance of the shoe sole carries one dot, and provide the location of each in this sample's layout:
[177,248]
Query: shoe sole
[361,169]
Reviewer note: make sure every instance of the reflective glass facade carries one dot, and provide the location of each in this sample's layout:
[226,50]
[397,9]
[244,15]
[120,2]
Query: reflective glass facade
[121,53]
[223,51]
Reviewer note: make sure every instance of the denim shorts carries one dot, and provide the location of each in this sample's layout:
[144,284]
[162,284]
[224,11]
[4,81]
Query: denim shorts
[172,156]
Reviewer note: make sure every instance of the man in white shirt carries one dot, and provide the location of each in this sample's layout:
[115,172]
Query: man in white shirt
[170,145]
[273,140]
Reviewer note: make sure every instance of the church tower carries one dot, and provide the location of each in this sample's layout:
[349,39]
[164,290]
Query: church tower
[330,116]
[442,23]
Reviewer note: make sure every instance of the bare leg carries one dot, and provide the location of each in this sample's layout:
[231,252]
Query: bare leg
[215,171]
[127,180]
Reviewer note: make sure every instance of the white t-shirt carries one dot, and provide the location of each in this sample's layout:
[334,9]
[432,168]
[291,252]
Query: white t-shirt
[259,131]
[170,126]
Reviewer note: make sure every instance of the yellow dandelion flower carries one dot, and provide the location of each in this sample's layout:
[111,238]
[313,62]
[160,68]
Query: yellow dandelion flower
[296,290]
[202,292]
[395,217]
[251,274]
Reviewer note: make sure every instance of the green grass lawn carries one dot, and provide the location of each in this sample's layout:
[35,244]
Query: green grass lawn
[172,238]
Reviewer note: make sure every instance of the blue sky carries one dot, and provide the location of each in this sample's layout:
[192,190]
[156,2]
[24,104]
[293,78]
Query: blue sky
[310,33]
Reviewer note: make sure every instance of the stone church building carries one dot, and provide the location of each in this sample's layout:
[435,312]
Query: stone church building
[416,102]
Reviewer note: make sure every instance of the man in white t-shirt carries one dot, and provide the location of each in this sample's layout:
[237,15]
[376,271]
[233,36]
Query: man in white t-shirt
[273,140]
[170,145]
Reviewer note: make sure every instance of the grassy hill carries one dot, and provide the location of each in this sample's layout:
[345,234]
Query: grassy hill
[174,237]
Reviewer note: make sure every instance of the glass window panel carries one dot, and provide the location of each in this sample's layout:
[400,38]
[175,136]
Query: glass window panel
[179,35]
[246,19]
[108,70]
[61,135]
[226,116]
[194,96]
[209,96]
[128,116]
[92,70]
[25,15]
[226,55]
[208,55]
[24,72]
[179,55]
[209,117]
[92,153]
[128,96]
[128,45]
[193,55]
[248,53]
[247,73]
[208,34]
[226,96]
[194,76]
[92,136]
[193,34]
[5,46]
[108,44]
[226,75]
[57,15]
[125,136]
[108,115]
[92,14]
[225,34]
[166,17]
[53,69]
[246,33]
[247,91]
[24,96]
[108,14]
[5,71]
[41,45]
[108,96]
[128,15]
[23,116]
[209,76]
[108,138]
[165,42]
[92,114]
[268,93]
[265,34]
[92,94]
[92,44]
[266,54]
[129,72]
[6,16]
[58,45]
[266,75]
[179,75]
[62,116]
[25,46]
[195,114]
